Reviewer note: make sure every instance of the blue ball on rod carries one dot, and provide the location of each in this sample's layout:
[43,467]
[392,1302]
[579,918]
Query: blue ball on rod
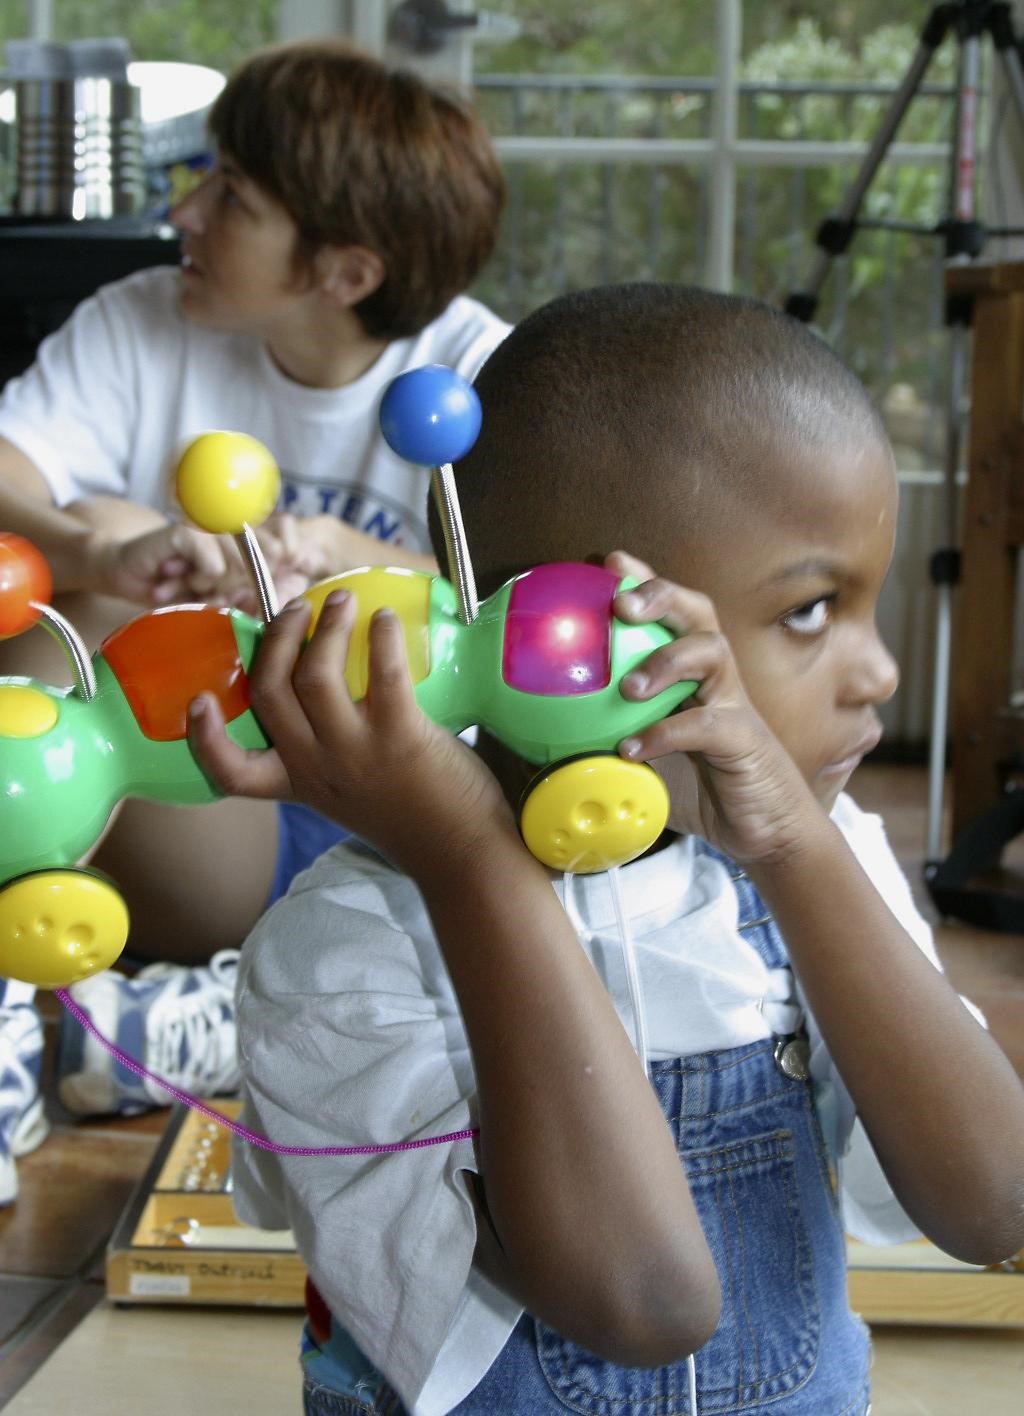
[430,415]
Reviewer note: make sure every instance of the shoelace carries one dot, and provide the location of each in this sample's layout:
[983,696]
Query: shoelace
[18,1083]
[224,969]
[17,1019]
[193,1043]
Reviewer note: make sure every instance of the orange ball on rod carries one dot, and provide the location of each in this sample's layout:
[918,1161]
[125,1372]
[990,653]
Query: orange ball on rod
[25,582]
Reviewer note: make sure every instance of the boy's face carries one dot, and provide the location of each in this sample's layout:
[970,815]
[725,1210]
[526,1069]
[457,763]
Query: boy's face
[795,580]
[238,245]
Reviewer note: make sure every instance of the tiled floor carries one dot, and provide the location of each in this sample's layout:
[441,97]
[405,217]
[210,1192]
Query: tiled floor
[52,1241]
[63,1347]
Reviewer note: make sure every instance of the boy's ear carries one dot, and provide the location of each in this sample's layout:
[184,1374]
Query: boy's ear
[347,274]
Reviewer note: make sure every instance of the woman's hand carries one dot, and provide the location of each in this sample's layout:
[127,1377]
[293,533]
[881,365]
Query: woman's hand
[168,565]
[300,550]
[730,780]
[292,557]
[378,766]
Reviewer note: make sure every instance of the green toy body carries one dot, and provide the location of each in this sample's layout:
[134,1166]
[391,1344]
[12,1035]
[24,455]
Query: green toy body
[538,670]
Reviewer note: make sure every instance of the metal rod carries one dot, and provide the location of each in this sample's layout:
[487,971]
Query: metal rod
[73,646]
[718,270]
[965,135]
[262,579]
[958,227]
[460,566]
[940,714]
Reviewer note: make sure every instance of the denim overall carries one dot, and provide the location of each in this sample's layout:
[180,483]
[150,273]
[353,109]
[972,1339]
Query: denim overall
[787,1343]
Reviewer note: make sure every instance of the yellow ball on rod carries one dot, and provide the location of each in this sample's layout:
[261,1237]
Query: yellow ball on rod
[226,481]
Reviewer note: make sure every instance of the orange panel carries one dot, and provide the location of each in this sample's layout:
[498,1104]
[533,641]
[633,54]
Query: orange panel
[164,659]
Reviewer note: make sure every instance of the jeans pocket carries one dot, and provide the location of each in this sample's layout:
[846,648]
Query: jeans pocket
[767,1341]
[586,1384]
[318,1400]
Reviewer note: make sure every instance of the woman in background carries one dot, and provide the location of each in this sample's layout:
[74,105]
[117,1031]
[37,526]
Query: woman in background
[349,208]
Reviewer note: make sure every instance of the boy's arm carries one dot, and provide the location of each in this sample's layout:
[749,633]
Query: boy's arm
[595,1227]
[942,1105]
[584,1188]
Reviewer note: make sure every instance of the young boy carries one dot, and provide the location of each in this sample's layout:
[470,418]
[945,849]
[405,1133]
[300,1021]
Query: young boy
[604,1226]
[350,207]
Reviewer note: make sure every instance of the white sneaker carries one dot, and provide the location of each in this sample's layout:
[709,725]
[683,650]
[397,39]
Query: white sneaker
[23,1123]
[177,1022]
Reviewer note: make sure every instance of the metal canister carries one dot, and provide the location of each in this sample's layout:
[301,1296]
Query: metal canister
[79,149]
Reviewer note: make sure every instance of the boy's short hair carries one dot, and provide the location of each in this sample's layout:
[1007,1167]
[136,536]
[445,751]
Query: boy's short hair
[633,416]
[362,154]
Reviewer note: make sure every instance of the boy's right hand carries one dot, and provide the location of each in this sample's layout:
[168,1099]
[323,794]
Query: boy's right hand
[378,766]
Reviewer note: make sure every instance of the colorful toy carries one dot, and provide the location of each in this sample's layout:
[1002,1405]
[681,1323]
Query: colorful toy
[538,664]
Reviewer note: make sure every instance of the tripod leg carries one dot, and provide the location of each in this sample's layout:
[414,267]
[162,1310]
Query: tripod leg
[837,231]
[945,572]
[1008,51]
[945,565]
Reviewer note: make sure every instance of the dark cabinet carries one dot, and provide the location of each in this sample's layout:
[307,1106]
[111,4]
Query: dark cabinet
[47,269]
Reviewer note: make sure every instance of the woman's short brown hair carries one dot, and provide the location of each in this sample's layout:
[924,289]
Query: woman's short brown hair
[360,154]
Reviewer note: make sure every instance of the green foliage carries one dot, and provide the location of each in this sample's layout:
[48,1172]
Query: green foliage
[570,225]
[880,301]
[13,18]
[194,31]
[604,37]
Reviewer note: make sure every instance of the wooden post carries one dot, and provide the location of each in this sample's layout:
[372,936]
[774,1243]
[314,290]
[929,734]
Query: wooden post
[985,730]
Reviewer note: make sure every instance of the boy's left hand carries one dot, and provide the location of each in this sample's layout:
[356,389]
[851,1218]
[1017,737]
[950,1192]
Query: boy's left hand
[730,780]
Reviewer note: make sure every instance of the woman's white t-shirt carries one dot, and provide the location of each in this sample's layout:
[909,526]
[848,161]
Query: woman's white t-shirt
[117,391]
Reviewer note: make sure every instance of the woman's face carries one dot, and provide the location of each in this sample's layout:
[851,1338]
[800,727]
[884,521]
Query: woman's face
[238,270]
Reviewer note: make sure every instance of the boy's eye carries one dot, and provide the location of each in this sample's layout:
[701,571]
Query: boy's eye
[812,617]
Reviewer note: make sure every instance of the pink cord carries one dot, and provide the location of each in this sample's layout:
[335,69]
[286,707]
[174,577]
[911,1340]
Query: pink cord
[253,1137]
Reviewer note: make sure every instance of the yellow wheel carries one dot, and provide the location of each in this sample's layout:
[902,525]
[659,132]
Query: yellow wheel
[60,926]
[593,812]
[225,481]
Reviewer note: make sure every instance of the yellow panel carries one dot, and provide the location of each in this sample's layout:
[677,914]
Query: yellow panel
[60,926]
[407,592]
[593,812]
[25,712]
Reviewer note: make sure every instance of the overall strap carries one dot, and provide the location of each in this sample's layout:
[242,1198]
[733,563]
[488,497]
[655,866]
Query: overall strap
[755,920]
